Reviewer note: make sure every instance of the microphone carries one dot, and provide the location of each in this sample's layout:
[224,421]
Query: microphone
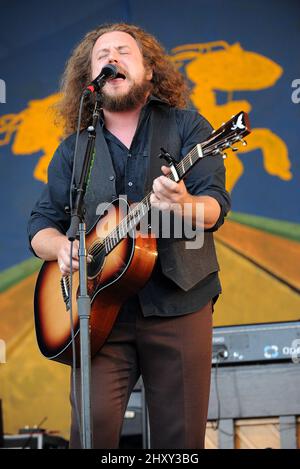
[108,71]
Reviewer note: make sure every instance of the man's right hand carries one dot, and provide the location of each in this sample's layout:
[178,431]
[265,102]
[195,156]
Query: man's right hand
[49,244]
[63,256]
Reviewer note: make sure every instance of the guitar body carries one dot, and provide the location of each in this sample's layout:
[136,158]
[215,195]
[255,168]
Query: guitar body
[112,279]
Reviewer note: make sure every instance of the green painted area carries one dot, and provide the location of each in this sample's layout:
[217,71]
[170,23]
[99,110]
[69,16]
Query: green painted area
[277,227]
[15,274]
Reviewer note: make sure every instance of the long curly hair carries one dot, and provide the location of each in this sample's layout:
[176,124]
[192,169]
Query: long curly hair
[168,83]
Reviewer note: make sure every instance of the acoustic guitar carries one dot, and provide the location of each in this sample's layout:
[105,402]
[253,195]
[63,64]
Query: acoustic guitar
[122,261]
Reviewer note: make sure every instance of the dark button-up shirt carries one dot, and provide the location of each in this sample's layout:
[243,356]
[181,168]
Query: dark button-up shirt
[131,164]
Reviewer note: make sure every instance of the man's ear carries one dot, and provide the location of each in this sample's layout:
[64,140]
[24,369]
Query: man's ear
[149,73]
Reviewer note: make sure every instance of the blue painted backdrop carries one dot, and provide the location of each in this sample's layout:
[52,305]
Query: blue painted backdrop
[36,39]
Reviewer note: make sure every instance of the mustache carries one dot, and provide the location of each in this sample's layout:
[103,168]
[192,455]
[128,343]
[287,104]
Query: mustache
[121,73]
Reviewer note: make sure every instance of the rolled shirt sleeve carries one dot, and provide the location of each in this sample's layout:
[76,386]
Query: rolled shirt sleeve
[207,177]
[50,209]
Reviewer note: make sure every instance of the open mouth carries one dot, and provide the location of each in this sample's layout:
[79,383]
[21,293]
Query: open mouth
[119,76]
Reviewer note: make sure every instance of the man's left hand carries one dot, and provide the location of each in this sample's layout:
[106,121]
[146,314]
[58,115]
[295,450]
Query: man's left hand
[167,193]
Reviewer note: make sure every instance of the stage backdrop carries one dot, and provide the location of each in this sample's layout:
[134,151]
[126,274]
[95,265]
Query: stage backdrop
[236,56]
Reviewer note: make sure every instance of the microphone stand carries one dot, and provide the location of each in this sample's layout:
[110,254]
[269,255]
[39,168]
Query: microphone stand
[83,300]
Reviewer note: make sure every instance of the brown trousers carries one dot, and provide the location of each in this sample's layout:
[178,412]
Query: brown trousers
[173,355]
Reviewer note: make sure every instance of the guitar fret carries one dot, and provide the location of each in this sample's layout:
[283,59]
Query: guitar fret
[183,165]
[121,230]
[180,169]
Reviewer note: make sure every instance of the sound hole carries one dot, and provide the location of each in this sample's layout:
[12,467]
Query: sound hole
[94,267]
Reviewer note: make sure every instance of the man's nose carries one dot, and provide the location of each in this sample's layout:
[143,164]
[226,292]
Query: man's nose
[113,57]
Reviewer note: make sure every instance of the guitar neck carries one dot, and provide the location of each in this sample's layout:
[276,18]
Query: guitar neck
[135,215]
[221,139]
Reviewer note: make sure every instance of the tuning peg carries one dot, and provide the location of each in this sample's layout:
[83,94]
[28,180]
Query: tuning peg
[244,143]
[218,151]
[232,148]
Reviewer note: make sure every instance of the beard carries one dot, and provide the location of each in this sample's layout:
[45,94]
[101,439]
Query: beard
[126,102]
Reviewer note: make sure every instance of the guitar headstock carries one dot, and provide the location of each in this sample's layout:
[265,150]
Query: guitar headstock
[230,133]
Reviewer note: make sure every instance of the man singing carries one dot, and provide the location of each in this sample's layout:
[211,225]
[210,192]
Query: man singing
[164,332]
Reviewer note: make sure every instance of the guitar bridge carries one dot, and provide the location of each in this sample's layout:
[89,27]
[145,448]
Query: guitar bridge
[65,289]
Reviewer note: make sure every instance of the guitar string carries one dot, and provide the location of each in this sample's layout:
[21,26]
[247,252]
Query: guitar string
[111,240]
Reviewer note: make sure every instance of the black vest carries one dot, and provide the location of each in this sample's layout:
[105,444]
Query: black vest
[186,267]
